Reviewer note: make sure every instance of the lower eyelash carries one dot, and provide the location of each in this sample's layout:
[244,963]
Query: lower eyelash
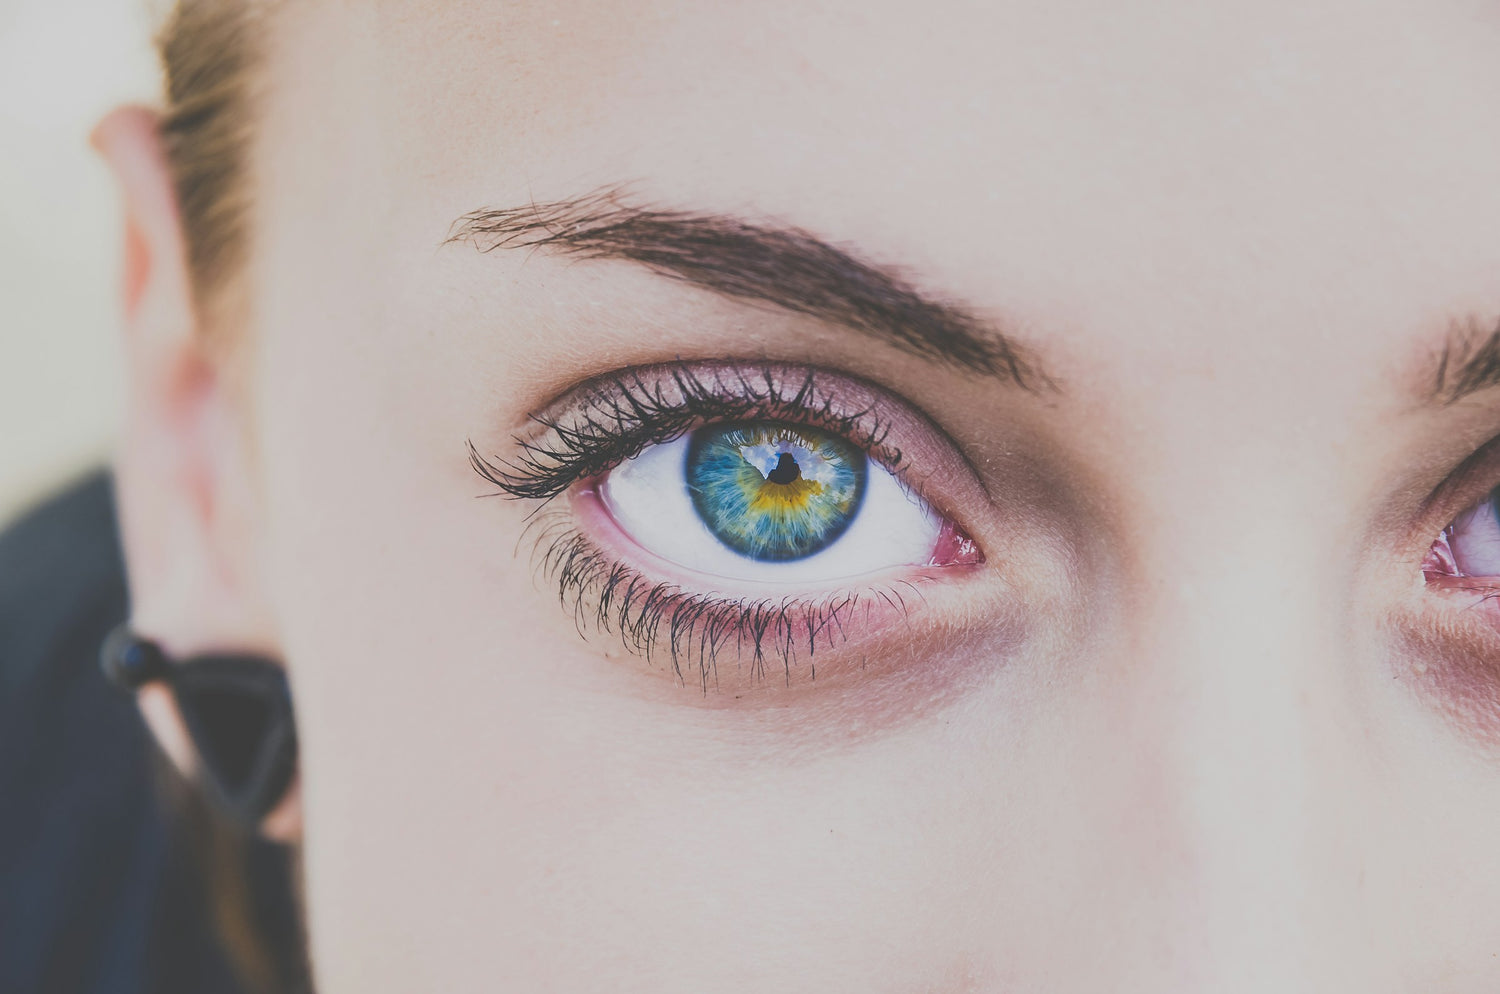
[653,618]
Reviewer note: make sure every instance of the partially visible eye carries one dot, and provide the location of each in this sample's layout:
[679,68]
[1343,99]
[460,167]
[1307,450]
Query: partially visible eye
[1470,546]
[766,501]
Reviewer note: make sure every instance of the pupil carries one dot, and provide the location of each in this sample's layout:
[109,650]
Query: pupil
[786,470]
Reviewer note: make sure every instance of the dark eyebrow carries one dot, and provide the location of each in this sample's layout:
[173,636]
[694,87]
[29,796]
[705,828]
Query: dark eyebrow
[1468,362]
[783,266]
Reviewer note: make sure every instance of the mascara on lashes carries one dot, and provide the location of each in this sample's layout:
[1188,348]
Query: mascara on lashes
[614,418]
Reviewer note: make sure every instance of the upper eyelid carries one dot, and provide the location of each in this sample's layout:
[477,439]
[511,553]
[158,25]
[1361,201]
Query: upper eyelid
[1471,480]
[644,399]
[1480,463]
[1444,484]
[911,444]
[760,378]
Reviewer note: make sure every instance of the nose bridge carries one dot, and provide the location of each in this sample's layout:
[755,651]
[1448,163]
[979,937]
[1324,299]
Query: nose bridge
[1240,667]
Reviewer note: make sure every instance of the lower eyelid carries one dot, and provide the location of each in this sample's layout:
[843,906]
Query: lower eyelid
[1450,657]
[1447,652]
[593,519]
[717,640]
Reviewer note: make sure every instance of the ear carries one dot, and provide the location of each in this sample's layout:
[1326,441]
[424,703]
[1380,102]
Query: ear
[184,485]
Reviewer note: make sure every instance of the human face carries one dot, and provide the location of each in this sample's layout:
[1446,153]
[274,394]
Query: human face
[1193,718]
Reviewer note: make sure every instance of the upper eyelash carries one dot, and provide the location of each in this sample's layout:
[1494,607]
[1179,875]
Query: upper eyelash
[620,417]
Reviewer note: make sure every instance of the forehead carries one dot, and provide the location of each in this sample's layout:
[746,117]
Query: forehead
[1258,170]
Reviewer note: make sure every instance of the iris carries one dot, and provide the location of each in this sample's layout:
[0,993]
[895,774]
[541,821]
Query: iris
[772,492]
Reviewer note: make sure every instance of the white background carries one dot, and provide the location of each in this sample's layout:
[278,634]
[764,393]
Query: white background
[63,64]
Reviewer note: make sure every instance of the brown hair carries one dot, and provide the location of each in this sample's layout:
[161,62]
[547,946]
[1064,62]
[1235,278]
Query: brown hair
[210,52]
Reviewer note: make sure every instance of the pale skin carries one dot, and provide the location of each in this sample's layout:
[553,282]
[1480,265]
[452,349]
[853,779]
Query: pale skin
[1223,748]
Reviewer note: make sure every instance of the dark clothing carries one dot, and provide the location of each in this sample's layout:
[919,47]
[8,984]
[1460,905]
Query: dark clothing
[99,892]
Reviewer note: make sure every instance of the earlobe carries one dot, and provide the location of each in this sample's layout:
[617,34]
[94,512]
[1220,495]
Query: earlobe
[189,518]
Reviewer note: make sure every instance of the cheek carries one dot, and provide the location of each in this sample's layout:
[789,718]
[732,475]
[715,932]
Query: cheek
[481,804]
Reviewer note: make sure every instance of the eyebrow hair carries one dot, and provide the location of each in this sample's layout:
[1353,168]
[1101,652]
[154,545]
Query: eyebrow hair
[783,266]
[1468,363]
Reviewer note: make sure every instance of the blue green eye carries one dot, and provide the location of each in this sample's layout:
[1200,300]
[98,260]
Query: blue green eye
[769,502]
[774,493]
